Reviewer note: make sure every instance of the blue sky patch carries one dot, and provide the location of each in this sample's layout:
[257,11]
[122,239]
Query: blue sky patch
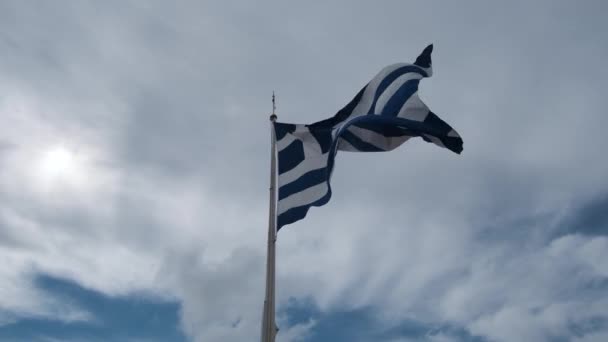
[121,318]
[363,324]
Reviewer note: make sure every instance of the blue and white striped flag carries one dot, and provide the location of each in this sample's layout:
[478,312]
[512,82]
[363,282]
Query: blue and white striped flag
[382,116]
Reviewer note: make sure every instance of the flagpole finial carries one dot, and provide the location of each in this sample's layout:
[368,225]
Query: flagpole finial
[273,116]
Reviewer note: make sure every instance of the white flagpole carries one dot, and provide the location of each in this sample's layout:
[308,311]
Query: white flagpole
[269,328]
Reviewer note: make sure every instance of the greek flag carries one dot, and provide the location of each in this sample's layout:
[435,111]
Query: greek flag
[383,115]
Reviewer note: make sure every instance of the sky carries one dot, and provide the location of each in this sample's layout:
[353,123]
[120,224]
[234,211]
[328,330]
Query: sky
[134,167]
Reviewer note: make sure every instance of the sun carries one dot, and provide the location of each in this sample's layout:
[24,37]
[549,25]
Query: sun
[60,167]
[66,170]
[58,161]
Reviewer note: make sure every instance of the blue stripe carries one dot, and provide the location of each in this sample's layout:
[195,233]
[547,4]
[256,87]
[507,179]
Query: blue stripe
[394,104]
[359,144]
[297,213]
[323,136]
[433,120]
[292,215]
[424,60]
[411,125]
[385,129]
[291,156]
[454,144]
[281,129]
[305,181]
[390,78]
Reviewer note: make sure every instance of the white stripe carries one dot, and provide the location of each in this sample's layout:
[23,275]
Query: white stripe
[397,141]
[378,140]
[311,145]
[303,197]
[369,93]
[414,109]
[308,164]
[429,70]
[393,88]
[392,142]
[344,145]
[369,137]
[434,139]
[286,141]
[302,133]
[453,134]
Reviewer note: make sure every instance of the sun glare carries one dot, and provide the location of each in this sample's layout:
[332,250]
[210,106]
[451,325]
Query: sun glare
[58,161]
[62,169]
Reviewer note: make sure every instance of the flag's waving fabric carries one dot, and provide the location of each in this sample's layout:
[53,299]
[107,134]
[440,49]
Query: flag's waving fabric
[383,115]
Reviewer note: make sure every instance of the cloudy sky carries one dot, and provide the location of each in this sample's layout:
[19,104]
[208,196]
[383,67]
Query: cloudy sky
[134,160]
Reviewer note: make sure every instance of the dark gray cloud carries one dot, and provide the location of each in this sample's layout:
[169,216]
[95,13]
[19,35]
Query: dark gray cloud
[589,218]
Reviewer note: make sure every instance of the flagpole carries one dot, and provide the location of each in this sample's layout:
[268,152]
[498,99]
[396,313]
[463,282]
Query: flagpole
[269,328]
